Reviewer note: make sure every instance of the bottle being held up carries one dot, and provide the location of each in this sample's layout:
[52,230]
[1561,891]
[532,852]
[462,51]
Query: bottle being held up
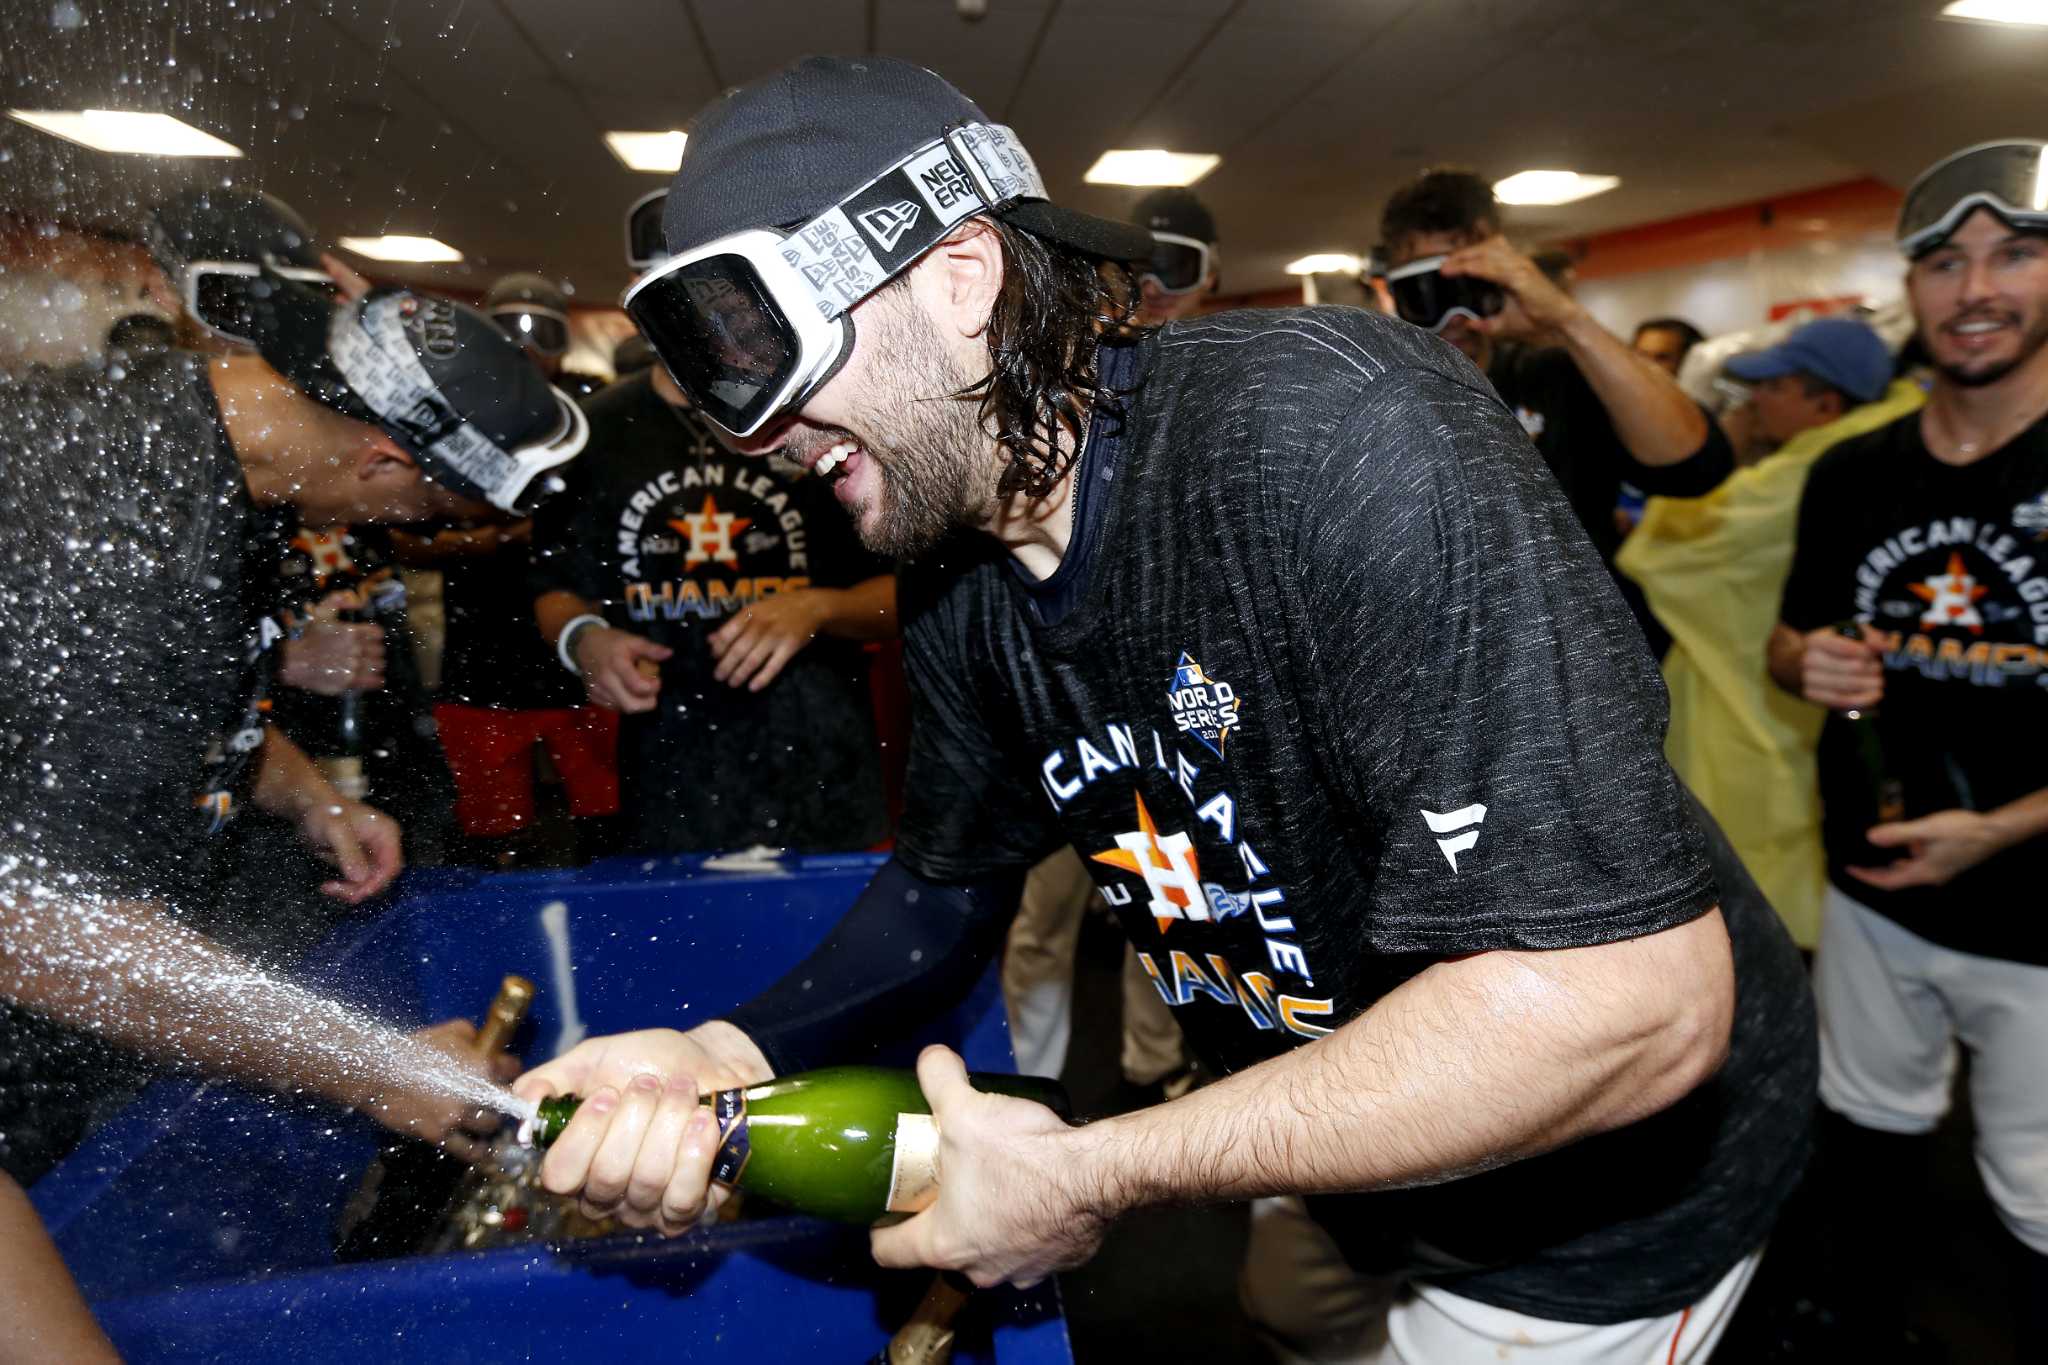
[845,1142]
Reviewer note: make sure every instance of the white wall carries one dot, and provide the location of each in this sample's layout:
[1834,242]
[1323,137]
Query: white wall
[1727,295]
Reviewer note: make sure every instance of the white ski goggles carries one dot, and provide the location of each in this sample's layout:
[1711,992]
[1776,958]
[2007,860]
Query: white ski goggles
[368,346]
[223,295]
[753,324]
[1179,264]
[2009,178]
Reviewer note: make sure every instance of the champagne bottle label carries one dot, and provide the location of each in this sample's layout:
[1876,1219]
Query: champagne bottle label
[729,1107]
[914,1174]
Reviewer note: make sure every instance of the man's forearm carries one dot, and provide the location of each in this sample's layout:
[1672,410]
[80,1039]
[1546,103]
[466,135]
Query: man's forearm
[865,611]
[554,610]
[2021,820]
[1786,649]
[129,972]
[1651,414]
[288,784]
[1470,1065]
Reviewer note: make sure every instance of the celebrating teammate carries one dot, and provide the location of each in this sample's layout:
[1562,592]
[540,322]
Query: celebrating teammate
[1279,620]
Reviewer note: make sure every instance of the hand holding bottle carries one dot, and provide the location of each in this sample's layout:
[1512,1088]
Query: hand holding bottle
[640,1147]
[334,655]
[1013,1206]
[1840,672]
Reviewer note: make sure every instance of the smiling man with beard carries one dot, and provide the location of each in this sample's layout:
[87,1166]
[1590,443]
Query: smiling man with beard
[1920,582]
[1280,621]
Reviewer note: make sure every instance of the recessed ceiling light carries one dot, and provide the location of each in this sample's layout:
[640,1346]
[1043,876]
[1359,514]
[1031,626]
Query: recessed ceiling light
[659,153]
[1150,167]
[1551,187]
[117,130]
[1326,263]
[2033,13]
[421,250]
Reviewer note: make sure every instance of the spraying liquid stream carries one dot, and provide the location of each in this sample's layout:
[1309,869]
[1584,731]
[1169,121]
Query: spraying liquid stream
[131,973]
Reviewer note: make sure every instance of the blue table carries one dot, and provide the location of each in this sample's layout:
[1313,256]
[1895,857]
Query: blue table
[200,1222]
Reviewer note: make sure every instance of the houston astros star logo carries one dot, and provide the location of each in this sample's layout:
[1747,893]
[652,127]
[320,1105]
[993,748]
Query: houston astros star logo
[1951,598]
[708,536]
[1172,876]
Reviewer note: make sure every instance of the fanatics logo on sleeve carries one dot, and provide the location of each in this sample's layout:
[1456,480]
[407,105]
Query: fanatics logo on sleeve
[1202,706]
[1461,828]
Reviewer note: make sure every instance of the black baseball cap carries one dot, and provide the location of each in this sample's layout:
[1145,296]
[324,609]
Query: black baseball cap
[1176,210]
[225,223]
[776,153]
[441,379]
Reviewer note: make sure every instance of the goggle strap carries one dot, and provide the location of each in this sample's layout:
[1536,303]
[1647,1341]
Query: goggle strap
[859,244]
[370,348]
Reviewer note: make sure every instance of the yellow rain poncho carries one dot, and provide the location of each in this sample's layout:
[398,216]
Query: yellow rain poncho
[1714,569]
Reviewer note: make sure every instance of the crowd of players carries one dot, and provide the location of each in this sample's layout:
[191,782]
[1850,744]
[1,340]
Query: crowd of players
[696,627]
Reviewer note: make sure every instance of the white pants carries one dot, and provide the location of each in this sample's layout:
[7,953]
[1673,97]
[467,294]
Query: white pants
[1038,981]
[1312,1308]
[1893,1008]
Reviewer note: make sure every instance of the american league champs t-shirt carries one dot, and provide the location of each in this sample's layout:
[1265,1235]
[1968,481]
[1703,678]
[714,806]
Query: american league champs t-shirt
[1342,691]
[674,535]
[1949,564]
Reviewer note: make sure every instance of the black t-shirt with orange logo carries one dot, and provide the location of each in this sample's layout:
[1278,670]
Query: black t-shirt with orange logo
[674,535]
[1949,563]
[1329,687]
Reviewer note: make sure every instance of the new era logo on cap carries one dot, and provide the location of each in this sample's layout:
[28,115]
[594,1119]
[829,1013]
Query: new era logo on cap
[888,222]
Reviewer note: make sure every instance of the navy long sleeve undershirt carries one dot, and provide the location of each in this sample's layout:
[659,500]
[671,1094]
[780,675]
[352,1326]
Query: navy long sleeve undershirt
[905,951]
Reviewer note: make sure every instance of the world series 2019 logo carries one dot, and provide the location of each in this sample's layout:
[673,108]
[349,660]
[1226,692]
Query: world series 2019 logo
[1204,707]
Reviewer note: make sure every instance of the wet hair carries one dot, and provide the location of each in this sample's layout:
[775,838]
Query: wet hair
[1055,304]
[1689,336]
[1443,199]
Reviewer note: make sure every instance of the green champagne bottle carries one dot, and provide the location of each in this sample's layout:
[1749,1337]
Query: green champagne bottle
[844,1142]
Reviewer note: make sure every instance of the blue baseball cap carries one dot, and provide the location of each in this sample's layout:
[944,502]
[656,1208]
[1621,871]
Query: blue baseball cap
[1841,351]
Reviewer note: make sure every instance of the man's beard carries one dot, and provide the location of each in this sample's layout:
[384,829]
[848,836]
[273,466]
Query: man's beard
[2031,342]
[937,476]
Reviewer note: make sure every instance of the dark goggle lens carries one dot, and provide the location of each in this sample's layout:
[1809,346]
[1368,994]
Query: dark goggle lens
[645,246]
[723,339]
[1428,299]
[541,332]
[1177,268]
[229,303]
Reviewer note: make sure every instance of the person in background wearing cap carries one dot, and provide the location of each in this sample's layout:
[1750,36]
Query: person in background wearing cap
[1917,613]
[1812,377]
[135,715]
[1713,571]
[502,694]
[1602,414]
[717,603]
[1038,955]
[1276,618]
[223,248]
[1182,271]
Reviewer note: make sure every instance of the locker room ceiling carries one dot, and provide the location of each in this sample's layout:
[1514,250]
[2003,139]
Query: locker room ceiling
[479,121]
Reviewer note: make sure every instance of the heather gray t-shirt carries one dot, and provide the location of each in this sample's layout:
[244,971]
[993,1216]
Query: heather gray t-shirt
[130,700]
[1332,687]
